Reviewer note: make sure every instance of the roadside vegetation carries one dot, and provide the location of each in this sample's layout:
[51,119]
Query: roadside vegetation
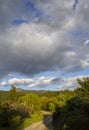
[72,113]
[21,108]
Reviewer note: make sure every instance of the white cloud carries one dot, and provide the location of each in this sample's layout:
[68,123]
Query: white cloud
[62,83]
[34,82]
[43,82]
[20,81]
[85,63]
[48,43]
[70,53]
[86,43]
[71,82]
[3,83]
[32,85]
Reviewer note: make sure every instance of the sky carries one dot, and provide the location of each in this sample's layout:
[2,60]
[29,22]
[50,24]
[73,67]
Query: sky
[44,44]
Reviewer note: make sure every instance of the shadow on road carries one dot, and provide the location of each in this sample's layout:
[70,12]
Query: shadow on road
[47,121]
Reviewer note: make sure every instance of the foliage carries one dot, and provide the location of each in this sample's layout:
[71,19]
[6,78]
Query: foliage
[31,102]
[15,121]
[51,107]
[8,116]
[13,94]
[74,113]
[45,103]
[64,97]
[30,120]
[84,82]
[70,108]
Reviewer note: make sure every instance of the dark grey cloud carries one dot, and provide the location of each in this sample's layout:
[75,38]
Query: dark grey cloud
[43,43]
[9,9]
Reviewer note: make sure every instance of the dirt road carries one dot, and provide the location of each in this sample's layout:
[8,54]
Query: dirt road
[46,124]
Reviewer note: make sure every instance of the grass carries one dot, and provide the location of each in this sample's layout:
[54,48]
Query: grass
[28,121]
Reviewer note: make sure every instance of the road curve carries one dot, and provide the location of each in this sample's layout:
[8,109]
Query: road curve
[42,125]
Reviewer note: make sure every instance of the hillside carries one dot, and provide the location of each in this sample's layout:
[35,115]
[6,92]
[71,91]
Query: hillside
[21,108]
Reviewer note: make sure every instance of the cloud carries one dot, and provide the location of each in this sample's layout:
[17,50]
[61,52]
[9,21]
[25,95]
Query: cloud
[85,62]
[86,43]
[32,82]
[43,82]
[70,83]
[22,81]
[75,4]
[45,44]
[18,82]
[3,83]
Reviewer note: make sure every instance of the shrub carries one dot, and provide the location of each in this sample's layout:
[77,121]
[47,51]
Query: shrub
[51,107]
[15,121]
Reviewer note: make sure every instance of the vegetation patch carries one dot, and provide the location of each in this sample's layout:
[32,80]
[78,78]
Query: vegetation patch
[20,109]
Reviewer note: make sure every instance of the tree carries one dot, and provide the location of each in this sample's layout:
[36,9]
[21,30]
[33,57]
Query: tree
[84,90]
[51,107]
[13,94]
[64,97]
[31,102]
[84,82]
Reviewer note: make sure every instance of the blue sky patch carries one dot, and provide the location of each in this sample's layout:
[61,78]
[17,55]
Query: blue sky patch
[31,7]
[18,21]
[75,4]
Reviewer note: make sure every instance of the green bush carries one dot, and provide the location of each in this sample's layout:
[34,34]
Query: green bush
[15,121]
[31,103]
[51,107]
[74,113]
[9,117]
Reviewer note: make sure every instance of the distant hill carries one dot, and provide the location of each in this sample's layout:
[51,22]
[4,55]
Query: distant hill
[3,95]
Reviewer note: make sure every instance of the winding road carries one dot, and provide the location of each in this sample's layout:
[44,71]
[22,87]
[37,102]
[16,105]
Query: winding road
[42,125]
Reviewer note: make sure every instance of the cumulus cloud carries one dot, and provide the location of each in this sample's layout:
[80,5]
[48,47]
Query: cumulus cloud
[3,83]
[17,81]
[70,83]
[85,63]
[86,43]
[46,41]
[42,82]
[32,82]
